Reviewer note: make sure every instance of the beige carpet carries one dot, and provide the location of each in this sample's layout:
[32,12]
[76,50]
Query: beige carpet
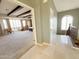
[14,45]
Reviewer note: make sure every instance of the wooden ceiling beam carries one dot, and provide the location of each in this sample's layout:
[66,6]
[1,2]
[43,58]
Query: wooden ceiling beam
[24,13]
[27,16]
[17,8]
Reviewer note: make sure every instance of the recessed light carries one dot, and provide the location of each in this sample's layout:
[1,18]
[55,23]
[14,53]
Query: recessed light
[44,1]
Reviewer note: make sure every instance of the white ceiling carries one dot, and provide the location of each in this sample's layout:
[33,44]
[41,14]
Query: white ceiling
[7,6]
[64,5]
[20,11]
[26,15]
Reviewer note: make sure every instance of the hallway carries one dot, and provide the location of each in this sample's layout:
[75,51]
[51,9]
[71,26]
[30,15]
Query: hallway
[58,50]
[39,29]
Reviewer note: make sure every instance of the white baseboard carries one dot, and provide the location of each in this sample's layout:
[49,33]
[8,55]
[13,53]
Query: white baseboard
[47,44]
[38,44]
[76,48]
[43,44]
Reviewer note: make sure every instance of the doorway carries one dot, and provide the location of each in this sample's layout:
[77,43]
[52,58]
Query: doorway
[32,17]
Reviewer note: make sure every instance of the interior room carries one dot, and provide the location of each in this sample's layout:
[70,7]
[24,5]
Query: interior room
[16,30]
[39,29]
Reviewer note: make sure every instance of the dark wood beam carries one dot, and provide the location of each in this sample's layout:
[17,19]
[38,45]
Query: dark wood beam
[27,16]
[17,8]
[24,13]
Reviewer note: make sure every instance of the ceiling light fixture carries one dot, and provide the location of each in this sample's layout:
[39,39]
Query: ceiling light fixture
[44,1]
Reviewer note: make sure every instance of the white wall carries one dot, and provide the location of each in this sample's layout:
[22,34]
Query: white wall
[78,35]
[42,18]
[53,17]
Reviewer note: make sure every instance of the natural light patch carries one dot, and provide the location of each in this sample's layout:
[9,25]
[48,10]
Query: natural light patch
[52,18]
[24,23]
[66,21]
[5,24]
[64,40]
[15,24]
[51,23]
[44,1]
[28,23]
[52,12]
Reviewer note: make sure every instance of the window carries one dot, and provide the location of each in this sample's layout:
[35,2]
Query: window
[5,24]
[24,23]
[15,24]
[66,20]
[28,23]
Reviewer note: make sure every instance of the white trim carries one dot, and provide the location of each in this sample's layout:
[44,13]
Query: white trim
[47,44]
[34,26]
[76,48]
[43,44]
[22,4]
[33,18]
[38,44]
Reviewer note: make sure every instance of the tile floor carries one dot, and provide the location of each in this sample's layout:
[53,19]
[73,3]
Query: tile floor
[60,48]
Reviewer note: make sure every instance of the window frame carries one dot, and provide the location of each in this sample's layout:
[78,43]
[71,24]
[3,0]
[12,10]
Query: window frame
[66,18]
[5,24]
[15,24]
